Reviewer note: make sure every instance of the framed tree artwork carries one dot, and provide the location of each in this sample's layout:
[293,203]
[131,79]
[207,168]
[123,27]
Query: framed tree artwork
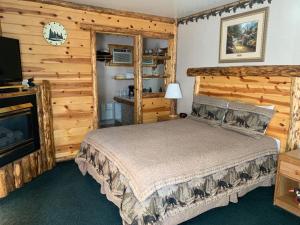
[242,37]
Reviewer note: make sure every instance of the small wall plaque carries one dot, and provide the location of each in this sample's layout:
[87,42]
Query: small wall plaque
[55,33]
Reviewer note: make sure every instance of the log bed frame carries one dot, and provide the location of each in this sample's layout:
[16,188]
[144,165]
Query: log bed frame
[261,85]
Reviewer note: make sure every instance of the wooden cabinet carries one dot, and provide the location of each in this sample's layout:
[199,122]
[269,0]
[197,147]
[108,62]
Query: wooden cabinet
[288,178]
[155,107]
[166,118]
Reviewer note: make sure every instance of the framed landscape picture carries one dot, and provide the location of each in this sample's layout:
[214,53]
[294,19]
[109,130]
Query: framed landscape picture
[242,37]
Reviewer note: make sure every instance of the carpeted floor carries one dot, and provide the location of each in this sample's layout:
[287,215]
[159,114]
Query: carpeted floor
[63,196]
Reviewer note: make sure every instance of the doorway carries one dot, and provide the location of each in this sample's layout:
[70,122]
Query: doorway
[115,79]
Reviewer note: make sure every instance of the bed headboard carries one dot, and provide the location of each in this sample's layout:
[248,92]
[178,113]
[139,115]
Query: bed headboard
[277,90]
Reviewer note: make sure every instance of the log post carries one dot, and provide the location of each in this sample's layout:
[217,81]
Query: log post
[25,163]
[3,187]
[170,69]
[9,173]
[33,164]
[294,128]
[138,82]
[45,113]
[18,174]
[96,114]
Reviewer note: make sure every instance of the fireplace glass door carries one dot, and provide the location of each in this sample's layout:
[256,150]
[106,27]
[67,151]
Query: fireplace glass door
[19,128]
[15,129]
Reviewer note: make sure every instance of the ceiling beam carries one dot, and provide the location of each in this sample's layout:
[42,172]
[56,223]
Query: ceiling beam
[239,71]
[125,31]
[106,10]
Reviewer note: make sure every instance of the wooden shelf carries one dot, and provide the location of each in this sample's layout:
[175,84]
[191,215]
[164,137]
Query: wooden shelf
[119,78]
[24,92]
[154,95]
[157,57]
[288,202]
[155,76]
[124,100]
[104,59]
[145,76]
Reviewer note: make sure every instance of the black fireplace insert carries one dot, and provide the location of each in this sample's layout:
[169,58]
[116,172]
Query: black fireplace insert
[19,128]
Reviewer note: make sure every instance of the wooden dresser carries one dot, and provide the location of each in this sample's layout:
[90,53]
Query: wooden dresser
[288,178]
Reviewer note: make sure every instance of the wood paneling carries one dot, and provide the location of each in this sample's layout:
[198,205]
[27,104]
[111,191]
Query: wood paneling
[260,71]
[107,11]
[255,90]
[67,67]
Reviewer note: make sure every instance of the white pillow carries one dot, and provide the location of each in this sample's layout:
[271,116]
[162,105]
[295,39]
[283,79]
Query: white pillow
[271,107]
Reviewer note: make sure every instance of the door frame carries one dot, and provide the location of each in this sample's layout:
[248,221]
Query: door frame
[138,37]
[137,78]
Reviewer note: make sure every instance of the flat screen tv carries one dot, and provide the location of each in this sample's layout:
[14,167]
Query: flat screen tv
[10,60]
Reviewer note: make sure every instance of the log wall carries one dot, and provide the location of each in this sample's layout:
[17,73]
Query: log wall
[67,67]
[273,90]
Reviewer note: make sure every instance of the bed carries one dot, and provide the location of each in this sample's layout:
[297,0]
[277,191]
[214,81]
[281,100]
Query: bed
[168,172]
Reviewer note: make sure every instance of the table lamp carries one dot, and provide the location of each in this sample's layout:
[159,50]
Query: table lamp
[173,92]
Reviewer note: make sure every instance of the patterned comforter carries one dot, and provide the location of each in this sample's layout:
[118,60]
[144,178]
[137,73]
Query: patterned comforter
[186,196]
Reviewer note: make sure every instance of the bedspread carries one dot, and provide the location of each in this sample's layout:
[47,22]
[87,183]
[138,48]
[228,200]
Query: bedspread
[167,172]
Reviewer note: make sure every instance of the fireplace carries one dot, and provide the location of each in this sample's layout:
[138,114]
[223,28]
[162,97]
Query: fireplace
[19,128]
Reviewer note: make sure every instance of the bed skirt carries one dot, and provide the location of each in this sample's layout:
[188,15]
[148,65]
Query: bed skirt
[176,203]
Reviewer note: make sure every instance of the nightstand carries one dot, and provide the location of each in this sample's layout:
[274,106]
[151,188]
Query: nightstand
[288,178]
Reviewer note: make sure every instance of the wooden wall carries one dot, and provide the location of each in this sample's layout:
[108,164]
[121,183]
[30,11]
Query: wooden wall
[67,67]
[273,90]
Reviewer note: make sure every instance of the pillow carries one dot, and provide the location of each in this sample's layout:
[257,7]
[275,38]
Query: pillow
[247,119]
[208,109]
[266,106]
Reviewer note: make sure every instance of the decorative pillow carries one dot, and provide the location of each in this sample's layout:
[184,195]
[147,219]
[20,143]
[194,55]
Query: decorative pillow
[208,109]
[247,119]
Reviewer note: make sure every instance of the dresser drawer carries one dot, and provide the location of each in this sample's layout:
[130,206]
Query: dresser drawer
[290,170]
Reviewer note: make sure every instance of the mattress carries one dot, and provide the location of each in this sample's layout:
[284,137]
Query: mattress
[168,172]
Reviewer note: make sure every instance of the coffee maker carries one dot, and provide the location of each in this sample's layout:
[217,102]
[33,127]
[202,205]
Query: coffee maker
[131,90]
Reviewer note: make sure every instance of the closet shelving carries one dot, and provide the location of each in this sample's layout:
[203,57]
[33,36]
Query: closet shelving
[145,76]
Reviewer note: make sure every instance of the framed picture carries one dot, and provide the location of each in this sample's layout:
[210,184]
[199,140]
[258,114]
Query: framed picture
[242,37]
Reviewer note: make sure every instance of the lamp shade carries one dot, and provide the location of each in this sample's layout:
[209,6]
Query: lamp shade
[173,91]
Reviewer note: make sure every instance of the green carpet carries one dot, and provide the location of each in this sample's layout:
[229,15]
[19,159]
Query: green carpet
[63,196]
